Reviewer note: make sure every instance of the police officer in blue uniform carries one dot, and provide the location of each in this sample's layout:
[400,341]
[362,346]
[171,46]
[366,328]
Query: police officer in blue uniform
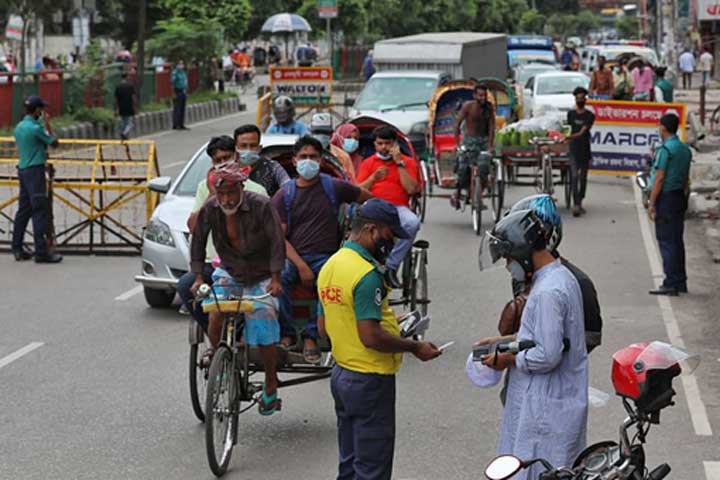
[668,203]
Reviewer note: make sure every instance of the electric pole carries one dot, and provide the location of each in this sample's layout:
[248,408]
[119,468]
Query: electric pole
[140,61]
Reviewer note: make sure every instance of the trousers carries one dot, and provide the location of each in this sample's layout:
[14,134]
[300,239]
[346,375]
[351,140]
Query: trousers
[365,410]
[33,203]
[670,210]
[578,180]
[183,289]
[179,108]
[411,224]
[291,277]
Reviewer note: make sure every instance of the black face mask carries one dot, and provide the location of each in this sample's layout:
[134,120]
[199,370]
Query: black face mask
[581,104]
[383,247]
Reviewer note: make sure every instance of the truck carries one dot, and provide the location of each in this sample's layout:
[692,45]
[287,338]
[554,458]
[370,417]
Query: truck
[522,49]
[409,69]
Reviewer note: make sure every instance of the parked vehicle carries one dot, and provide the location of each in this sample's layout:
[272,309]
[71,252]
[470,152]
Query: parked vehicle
[552,90]
[522,49]
[642,375]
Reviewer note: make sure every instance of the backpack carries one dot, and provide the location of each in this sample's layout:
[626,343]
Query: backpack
[591,307]
[290,190]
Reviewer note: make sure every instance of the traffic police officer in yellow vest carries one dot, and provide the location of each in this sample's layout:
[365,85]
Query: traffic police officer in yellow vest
[364,332]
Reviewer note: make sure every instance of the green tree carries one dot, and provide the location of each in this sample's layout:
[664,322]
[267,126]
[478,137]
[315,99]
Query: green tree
[532,21]
[586,22]
[562,25]
[550,7]
[119,19]
[501,16]
[627,26]
[264,9]
[231,16]
[352,20]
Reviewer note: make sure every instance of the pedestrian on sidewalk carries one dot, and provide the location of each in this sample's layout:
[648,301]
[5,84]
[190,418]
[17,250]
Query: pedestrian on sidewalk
[355,314]
[687,67]
[180,85]
[581,121]
[663,88]
[668,203]
[707,66]
[32,136]
[126,105]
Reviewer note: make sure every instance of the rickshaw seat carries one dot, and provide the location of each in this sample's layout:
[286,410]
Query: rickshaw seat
[444,142]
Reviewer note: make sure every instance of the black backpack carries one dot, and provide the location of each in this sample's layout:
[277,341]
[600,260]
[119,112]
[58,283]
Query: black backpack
[591,306]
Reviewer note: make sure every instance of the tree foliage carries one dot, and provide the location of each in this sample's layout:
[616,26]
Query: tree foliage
[119,19]
[352,21]
[532,21]
[230,15]
[188,40]
[627,26]
[502,16]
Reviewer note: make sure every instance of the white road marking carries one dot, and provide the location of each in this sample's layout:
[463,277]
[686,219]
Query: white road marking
[712,470]
[129,294]
[698,413]
[19,353]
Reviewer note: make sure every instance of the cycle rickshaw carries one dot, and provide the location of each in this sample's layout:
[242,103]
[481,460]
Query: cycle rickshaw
[444,108]
[414,268]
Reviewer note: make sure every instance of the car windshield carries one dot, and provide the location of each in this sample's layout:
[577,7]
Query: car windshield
[524,74]
[187,186]
[557,85]
[392,92]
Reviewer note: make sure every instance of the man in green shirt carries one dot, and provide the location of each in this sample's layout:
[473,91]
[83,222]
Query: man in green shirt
[668,203]
[663,85]
[221,151]
[179,80]
[32,137]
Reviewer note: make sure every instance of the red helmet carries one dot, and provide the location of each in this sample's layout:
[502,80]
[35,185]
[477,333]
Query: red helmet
[643,372]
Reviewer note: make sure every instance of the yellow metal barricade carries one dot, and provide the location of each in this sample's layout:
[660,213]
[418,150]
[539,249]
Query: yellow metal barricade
[100,199]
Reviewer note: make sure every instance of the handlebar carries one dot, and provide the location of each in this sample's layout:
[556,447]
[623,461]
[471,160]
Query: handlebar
[515,347]
[205,290]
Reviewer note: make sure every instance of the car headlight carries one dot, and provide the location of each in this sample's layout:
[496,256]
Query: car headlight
[158,232]
[419,128]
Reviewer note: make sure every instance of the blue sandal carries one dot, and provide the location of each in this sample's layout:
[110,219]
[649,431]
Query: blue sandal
[268,404]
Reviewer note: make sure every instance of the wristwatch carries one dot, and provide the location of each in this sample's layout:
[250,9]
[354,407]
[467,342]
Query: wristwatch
[400,164]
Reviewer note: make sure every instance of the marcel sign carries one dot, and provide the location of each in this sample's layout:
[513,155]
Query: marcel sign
[305,85]
[625,133]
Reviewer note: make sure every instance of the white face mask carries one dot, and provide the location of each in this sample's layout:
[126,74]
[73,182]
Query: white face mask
[517,272]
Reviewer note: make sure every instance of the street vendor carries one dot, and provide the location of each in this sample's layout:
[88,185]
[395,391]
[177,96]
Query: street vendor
[478,115]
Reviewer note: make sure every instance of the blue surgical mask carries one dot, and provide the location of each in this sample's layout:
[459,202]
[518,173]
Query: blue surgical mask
[350,145]
[517,272]
[248,157]
[384,157]
[308,168]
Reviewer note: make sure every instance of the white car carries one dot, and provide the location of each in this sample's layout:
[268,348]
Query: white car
[552,91]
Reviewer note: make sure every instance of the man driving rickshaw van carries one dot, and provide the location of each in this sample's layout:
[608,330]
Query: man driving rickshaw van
[478,115]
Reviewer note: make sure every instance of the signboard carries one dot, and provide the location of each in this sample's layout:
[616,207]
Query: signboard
[14,28]
[327,8]
[625,132]
[708,9]
[305,85]
[529,42]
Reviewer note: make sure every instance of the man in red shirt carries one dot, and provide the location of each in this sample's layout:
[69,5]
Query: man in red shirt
[392,176]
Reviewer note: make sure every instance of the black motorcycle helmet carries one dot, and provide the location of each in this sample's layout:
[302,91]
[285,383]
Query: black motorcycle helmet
[517,236]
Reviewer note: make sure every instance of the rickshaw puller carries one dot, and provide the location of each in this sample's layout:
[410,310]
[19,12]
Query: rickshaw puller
[479,118]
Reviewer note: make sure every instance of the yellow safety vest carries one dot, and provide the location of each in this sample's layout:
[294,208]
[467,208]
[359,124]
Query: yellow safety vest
[336,284]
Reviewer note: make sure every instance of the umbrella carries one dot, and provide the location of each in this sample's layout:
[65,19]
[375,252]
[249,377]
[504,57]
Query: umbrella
[286,23]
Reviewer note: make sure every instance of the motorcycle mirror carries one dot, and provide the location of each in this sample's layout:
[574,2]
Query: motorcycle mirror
[503,467]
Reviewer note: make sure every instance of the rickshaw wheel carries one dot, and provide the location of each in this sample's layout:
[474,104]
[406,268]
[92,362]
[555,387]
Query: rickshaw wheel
[498,198]
[221,411]
[198,376]
[476,202]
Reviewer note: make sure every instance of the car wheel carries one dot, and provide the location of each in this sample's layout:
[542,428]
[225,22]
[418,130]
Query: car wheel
[158,298]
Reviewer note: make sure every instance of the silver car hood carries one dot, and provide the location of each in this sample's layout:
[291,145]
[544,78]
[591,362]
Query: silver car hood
[174,211]
[402,119]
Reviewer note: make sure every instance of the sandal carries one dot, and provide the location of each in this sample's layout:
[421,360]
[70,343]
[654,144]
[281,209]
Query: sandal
[207,357]
[287,343]
[268,404]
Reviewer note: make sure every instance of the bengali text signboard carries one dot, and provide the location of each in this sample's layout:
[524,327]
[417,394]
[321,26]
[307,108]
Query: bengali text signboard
[624,133]
[305,85]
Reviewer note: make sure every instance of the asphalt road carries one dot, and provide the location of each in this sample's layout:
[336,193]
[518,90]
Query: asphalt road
[93,383]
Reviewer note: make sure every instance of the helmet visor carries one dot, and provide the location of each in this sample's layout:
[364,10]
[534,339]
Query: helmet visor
[660,356]
[498,247]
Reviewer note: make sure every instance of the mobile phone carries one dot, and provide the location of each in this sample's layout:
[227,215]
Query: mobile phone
[446,345]
[482,350]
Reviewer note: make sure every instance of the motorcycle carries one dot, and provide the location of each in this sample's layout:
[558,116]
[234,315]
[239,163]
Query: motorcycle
[642,375]
[642,178]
